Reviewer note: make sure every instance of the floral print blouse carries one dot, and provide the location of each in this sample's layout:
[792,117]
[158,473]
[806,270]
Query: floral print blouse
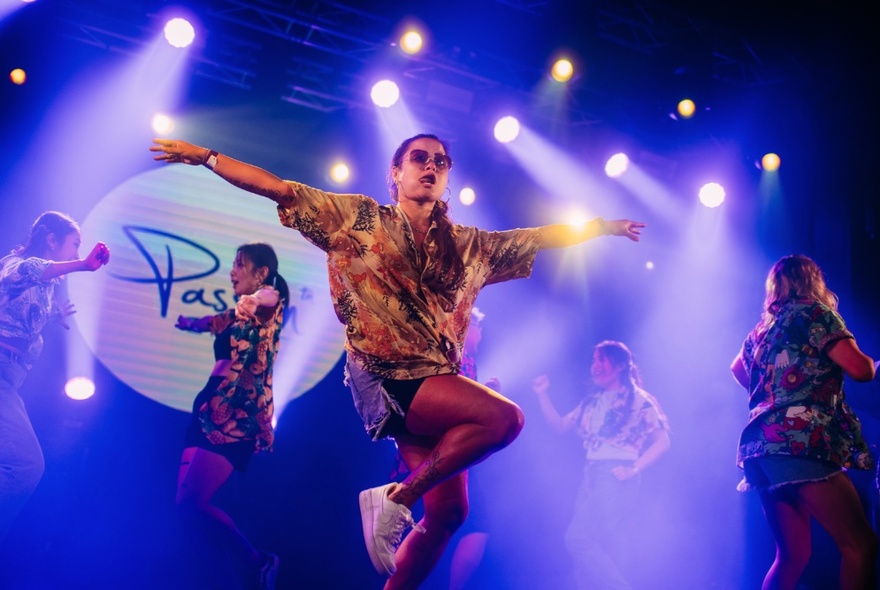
[242,407]
[796,399]
[396,327]
[26,304]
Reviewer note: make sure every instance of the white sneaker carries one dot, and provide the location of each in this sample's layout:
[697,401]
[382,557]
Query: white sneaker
[384,523]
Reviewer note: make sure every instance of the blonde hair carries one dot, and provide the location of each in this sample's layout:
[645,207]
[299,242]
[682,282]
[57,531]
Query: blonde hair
[795,277]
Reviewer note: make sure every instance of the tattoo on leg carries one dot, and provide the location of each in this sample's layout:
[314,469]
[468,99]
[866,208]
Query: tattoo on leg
[423,478]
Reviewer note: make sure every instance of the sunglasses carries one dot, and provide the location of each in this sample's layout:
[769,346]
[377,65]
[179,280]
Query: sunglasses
[421,158]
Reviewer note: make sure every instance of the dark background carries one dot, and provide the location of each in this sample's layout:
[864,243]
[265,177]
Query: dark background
[790,78]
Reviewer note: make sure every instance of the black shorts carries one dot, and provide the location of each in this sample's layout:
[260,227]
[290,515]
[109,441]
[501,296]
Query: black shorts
[404,392]
[237,453]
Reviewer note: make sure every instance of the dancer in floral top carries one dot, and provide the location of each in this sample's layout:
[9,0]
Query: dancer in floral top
[623,431]
[28,276]
[403,279]
[801,432]
[232,415]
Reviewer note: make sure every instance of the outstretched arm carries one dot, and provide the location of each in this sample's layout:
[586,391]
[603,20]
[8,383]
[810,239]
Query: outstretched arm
[564,235]
[98,257]
[241,174]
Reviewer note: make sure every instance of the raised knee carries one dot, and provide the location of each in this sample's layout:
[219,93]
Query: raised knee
[511,425]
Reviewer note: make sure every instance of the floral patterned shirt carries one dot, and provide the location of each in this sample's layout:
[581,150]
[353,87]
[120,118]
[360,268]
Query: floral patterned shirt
[598,421]
[242,407]
[796,400]
[26,304]
[395,326]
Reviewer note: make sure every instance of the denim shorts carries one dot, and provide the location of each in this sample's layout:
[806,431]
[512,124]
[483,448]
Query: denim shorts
[770,472]
[381,403]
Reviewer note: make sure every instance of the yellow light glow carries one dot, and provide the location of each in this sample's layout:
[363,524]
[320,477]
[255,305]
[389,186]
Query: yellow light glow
[17,76]
[411,42]
[562,70]
[770,162]
[686,108]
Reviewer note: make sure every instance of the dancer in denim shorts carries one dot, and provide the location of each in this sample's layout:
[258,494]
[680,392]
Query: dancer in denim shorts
[403,279]
[801,433]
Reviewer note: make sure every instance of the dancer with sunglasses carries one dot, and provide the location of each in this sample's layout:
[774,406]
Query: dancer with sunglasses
[403,279]
[28,277]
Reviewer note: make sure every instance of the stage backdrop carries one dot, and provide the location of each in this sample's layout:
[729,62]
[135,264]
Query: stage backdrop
[173,232]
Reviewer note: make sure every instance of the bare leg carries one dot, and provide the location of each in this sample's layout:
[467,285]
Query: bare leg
[455,423]
[200,476]
[466,558]
[469,422]
[790,524]
[836,506]
[445,510]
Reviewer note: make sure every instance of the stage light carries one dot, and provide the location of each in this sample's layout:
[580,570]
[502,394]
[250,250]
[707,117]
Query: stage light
[712,194]
[770,162]
[340,173]
[162,124]
[411,42]
[617,165]
[18,76]
[649,265]
[686,108]
[385,94]
[467,196]
[179,33]
[506,129]
[79,388]
[562,70]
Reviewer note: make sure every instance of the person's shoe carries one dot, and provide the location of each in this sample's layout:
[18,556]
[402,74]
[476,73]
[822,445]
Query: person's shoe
[384,524]
[269,571]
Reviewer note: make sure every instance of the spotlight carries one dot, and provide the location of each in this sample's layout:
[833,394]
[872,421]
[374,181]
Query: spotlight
[617,165]
[340,173]
[649,265]
[712,194]
[467,196]
[562,70]
[18,76]
[686,108]
[506,129]
[385,94]
[162,124]
[770,162]
[411,42]
[79,388]
[179,33]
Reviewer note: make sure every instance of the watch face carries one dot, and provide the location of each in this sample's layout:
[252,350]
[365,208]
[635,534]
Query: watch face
[212,161]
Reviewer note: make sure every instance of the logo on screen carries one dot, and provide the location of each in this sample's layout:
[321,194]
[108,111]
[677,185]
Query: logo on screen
[173,233]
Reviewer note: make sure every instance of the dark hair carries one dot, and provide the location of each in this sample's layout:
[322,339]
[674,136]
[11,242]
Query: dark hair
[620,355]
[48,223]
[261,254]
[450,272]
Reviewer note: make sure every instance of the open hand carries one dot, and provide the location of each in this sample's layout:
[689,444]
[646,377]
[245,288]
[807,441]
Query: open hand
[625,228]
[174,150]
